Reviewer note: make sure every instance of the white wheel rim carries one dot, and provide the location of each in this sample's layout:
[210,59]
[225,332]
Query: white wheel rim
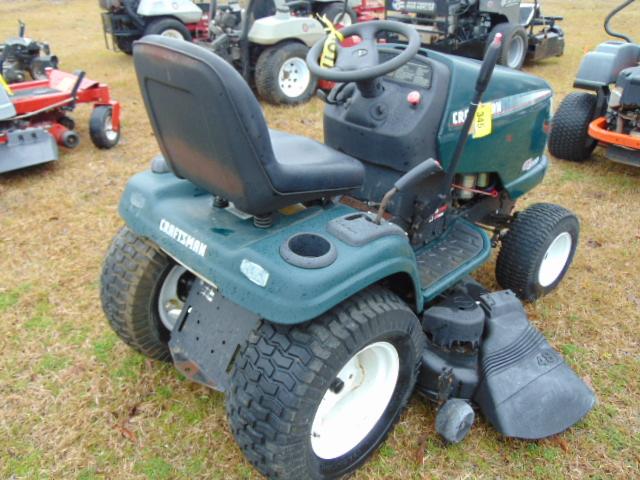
[555,259]
[294,77]
[169,303]
[516,51]
[345,418]
[172,33]
[109,132]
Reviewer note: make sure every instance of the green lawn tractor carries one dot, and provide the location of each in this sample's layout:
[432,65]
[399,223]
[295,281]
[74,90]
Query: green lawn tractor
[607,111]
[319,284]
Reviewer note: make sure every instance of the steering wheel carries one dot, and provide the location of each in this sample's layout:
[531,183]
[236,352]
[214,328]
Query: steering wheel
[362,61]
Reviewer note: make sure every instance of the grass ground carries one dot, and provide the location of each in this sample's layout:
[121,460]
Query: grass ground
[76,403]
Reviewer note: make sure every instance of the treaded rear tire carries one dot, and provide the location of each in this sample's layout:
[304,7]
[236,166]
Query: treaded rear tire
[282,373]
[132,273]
[525,245]
[268,68]
[569,139]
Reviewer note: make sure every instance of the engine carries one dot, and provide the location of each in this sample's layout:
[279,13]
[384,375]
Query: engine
[459,19]
[21,55]
[623,115]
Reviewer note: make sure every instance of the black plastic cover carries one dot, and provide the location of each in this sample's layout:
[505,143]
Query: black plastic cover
[629,81]
[456,320]
[526,389]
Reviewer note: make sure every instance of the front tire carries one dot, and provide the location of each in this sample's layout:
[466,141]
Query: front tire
[538,250]
[125,44]
[314,401]
[142,291]
[101,130]
[569,139]
[168,27]
[282,76]
[515,44]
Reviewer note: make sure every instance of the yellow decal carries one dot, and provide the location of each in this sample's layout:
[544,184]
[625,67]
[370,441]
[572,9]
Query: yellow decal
[482,123]
[330,48]
[5,85]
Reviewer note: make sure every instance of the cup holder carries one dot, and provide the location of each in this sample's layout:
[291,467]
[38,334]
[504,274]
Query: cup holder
[308,250]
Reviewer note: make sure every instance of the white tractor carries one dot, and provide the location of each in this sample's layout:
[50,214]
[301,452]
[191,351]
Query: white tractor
[267,41]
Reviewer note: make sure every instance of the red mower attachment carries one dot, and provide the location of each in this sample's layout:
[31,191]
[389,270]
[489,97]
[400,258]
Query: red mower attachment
[34,118]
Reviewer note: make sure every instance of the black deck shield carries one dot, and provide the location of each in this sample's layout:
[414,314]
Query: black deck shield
[526,389]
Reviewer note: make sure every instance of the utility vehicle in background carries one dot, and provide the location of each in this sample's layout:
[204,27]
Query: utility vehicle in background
[318,284]
[467,27]
[267,41]
[21,56]
[608,113]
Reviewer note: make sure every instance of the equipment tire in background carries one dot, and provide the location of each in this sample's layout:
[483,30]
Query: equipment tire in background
[302,418]
[125,44]
[168,27]
[282,76]
[334,12]
[515,44]
[569,138]
[537,250]
[101,130]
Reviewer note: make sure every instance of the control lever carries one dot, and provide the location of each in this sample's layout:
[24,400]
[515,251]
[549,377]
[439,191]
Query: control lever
[408,180]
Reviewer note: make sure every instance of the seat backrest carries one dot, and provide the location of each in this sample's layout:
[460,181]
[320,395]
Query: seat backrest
[207,121]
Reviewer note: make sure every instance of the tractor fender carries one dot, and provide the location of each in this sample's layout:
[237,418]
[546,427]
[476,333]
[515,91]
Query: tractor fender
[600,68]
[283,26]
[184,10]
[247,265]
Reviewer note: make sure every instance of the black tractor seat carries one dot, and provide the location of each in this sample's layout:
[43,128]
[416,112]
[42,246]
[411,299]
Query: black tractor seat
[211,131]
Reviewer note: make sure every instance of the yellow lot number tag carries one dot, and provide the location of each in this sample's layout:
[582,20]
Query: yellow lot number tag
[330,48]
[482,123]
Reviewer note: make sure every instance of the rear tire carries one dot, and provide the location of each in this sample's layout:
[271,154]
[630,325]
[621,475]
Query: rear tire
[282,76]
[515,44]
[287,382]
[133,276]
[569,139]
[168,27]
[101,130]
[538,250]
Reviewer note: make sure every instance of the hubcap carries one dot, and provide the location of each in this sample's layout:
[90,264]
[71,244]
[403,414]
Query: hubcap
[294,77]
[355,400]
[555,259]
[110,133]
[516,51]
[172,296]
[172,33]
